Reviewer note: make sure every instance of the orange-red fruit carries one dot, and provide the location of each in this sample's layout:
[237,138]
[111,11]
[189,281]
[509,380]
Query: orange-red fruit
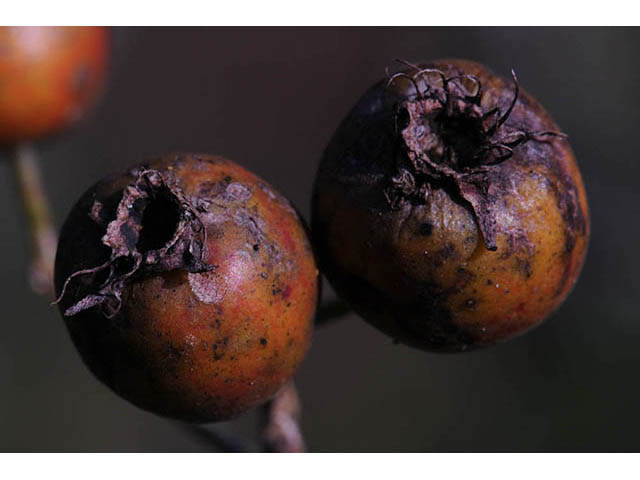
[448,210]
[48,78]
[190,286]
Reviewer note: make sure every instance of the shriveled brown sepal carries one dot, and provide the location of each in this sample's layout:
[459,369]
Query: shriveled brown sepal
[450,141]
[157,228]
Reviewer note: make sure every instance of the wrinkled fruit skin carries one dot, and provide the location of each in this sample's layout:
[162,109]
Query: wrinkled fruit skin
[205,334]
[48,78]
[442,244]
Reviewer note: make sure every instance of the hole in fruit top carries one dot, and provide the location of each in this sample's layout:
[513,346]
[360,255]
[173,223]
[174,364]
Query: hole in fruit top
[403,119]
[159,220]
[463,135]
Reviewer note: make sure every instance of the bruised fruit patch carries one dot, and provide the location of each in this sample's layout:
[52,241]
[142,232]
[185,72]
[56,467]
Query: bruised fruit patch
[165,277]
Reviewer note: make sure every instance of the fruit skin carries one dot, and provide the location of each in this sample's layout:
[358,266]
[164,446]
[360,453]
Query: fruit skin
[421,269]
[203,346]
[48,78]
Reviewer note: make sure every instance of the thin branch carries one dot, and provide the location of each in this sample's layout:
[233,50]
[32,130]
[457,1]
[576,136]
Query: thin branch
[282,431]
[42,233]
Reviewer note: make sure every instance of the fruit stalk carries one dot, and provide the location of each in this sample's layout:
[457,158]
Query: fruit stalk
[282,431]
[40,227]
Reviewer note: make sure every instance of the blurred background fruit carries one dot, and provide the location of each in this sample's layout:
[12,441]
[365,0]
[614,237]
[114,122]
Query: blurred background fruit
[48,78]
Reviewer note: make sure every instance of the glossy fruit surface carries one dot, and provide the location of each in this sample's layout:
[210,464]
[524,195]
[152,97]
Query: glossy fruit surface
[48,77]
[448,209]
[190,286]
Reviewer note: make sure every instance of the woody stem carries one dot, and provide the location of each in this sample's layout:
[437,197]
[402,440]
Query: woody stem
[41,231]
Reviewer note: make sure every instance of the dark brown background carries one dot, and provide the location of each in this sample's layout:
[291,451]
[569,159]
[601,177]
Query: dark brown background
[269,98]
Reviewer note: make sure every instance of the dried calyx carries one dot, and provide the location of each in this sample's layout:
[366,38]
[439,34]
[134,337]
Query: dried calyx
[157,228]
[450,141]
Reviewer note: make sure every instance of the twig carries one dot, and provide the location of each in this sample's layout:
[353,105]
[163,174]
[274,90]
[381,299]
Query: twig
[282,431]
[41,230]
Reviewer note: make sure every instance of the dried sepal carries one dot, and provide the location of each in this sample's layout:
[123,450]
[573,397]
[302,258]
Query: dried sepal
[134,250]
[448,139]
